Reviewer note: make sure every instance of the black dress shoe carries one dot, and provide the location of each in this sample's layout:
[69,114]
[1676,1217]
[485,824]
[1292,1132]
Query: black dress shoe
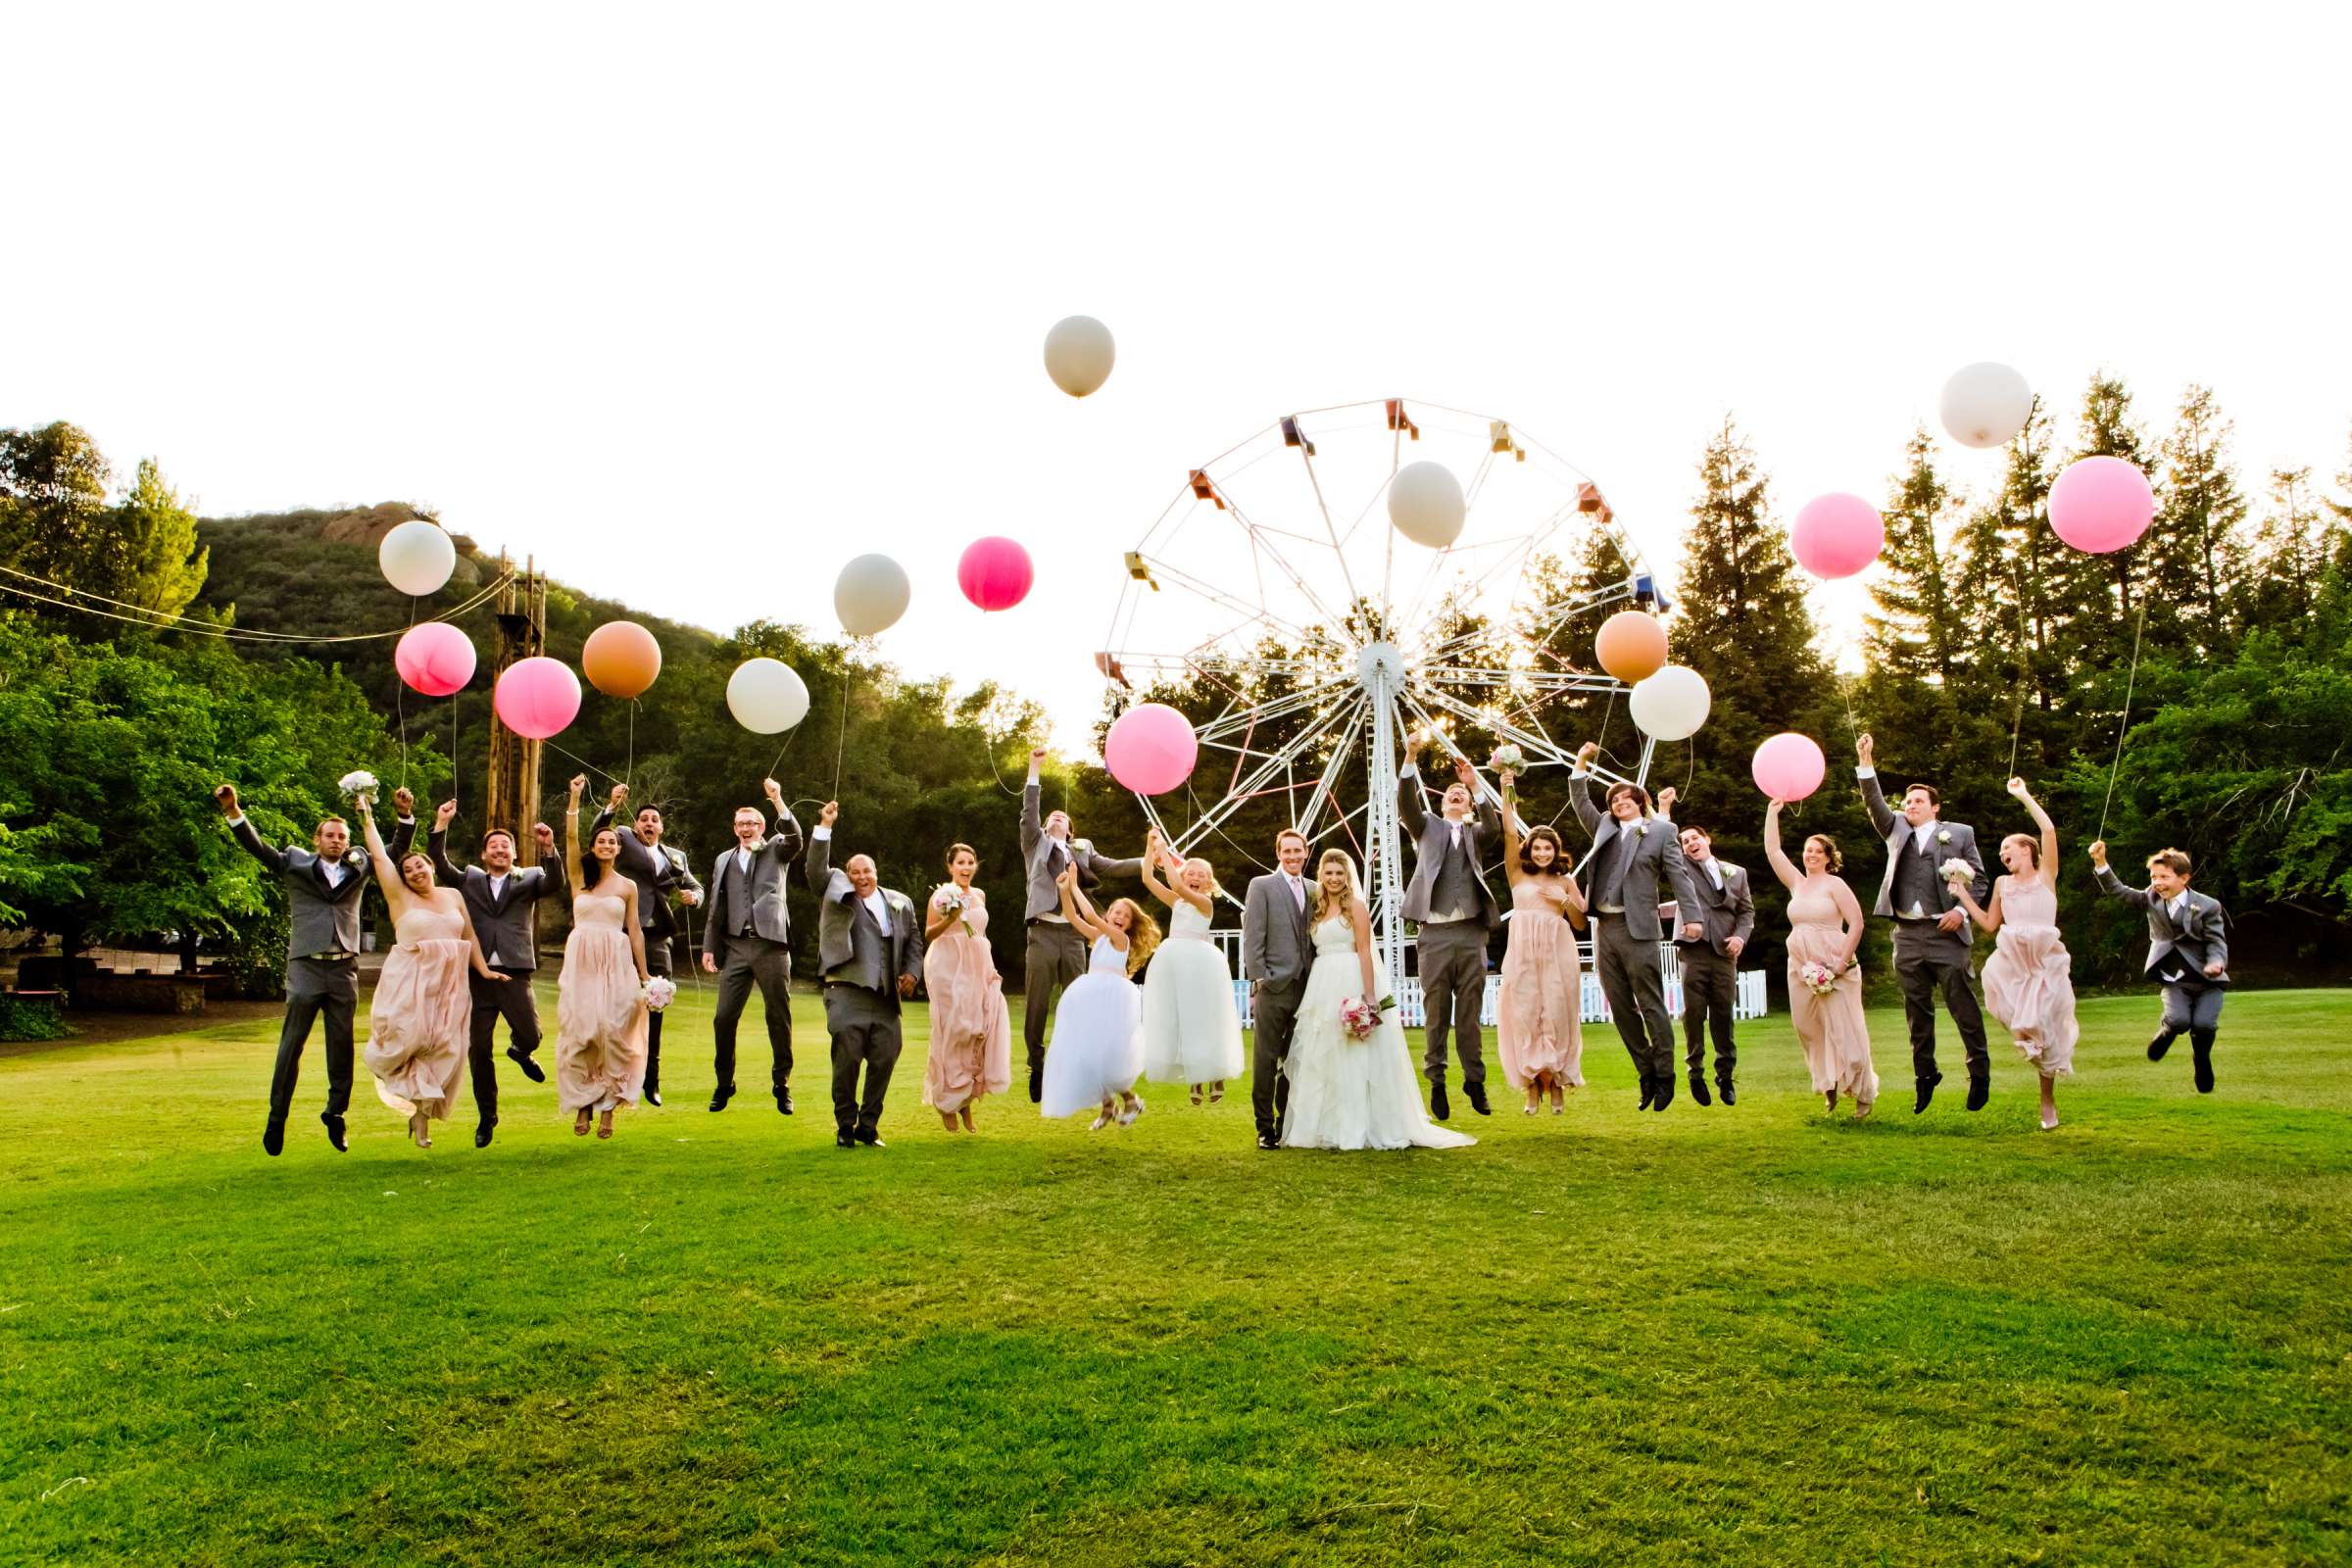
[1698,1089]
[334,1132]
[1478,1098]
[481,1134]
[1037,1082]
[784,1101]
[653,1098]
[870,1140]
[1439,1107]
[530,1069]
[1268,1140]
[1723,1087]
[2159,1046]
[1650,1091]
[2203,1050]
[1980,1090]
[1664,1086]
[1927,1092]
[844,1141]
[718,1099]
[274,1137]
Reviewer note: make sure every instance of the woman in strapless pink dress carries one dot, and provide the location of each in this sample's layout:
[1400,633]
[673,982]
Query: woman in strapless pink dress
[423,1009]
[2028,983]
[600,999]
[970,1055]
[1825,928]
[1538,1015]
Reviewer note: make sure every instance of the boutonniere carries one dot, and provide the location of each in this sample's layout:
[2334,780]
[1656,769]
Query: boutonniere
[1641,830]
[1088,845]
[1943,836]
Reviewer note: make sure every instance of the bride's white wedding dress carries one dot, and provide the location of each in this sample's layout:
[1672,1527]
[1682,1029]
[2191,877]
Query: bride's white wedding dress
[1349,1094]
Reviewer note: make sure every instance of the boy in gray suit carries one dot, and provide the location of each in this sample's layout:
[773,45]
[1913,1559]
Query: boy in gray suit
[870,949]
[2189,953]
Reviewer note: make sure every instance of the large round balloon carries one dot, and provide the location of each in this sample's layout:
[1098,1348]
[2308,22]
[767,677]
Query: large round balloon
[870,595]
[620,659]
[994,572]
[1985,405]
[416,558]
[1630,645]
[1788,767]
[434,658]
[1078,354]
[1150,749]
[766,696]
[1424,503]
[1837,535]
[2102,504]
[1671,705]
[537,697]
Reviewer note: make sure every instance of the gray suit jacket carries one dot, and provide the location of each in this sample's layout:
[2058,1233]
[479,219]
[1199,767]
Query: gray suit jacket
[2180,948]
[324,919]
[1726,914]
[506,923]
[1037,854]
[1953,839]
[841,914]
[771,857]
[658,872]
[1483,829]
[1275,945]
[1658,853]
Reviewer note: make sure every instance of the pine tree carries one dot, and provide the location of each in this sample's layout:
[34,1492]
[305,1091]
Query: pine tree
[2196,557]
[2290,558]
[1915,651]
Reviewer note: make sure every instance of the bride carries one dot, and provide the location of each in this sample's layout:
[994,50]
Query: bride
[1347,1092]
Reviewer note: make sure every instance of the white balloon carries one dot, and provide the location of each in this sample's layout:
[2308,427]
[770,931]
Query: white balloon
[1078,354]
[870,595]
[1985,405]
[1424,503]
[1671,705]
[416,558]
[766,696]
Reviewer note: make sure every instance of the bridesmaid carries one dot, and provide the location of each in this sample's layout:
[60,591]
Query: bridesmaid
[2028,984]
[1825,928]
[600,1001]
[1192,1030]
[1538,1029]
[971,1030]
[419,1020]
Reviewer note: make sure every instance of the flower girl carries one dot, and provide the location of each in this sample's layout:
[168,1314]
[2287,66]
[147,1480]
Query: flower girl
[1192,1031]
[1097,1049]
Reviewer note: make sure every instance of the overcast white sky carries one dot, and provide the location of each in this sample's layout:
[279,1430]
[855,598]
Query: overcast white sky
[695,303]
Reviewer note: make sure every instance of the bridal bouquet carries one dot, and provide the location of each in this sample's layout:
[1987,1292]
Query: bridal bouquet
[356,782]
[1508,755]
[660,992]
[1956,869]
[1817,978]
[951,902]
[1362,1018]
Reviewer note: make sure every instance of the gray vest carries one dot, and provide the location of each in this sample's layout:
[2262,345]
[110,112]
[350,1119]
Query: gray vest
[869,951]
[731,898]
[1915,878]
[1608,886]
[1455,886]
[507,927]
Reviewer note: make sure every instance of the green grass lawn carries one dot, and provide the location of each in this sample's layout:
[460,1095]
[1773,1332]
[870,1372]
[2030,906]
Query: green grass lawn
[1712,1335]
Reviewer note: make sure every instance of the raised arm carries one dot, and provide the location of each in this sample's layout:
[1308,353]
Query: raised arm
[436,846]
[571,838]
[2049,830]
[539,881]
[1075,909]
[387,873]
[1773,856]
[2113,884]
[1148,870]
[1511,828]
[785,842]
[1874,799]
[404,824]
[820,848]
[241,828]
[1580,787]
[1411,807]
[1031,826]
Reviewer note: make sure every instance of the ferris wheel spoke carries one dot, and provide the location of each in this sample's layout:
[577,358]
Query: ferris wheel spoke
[1324,787]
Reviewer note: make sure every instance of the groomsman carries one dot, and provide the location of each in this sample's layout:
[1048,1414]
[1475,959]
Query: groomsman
[660,872]
[1277,951]
[1631,850]
[2189,953]
[870,949]
[1932,936]
[325,885]
[1454,909]
[504,905]
[746,942]
[1056,954]
[1727,918]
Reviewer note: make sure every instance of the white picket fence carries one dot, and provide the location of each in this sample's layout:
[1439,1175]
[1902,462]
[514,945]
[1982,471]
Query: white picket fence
[1747,991]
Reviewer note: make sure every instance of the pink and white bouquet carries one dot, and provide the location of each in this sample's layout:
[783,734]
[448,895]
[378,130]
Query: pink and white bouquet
[951,901]
[358,781]
[1361,1017]
[1956,869]
[1817,978]
[1508,754]
[660,992]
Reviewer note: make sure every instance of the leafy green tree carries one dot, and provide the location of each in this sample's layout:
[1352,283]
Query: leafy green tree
[140,553]
[2195,556]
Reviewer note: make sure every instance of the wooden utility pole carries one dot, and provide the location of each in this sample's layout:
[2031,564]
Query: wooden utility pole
[513,798]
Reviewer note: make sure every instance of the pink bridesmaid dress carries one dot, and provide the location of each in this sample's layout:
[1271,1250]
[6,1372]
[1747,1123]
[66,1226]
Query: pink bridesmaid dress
[418,1022]
[1830,1028]
[1538,1017]
[2027,981]
[599,1011]
[971,1054]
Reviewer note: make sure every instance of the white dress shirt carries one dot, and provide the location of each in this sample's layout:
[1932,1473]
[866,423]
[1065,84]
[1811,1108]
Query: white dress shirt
[879,907]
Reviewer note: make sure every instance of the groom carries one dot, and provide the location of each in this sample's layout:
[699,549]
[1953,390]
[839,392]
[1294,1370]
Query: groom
[1455,910]
[1056,954]
[501,903]
[869,949]
[1932,933]
[747,942]
[1277,951]
[1631,850]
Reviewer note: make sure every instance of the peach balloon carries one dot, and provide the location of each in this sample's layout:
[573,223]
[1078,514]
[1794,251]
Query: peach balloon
[1631,646]
[620,659]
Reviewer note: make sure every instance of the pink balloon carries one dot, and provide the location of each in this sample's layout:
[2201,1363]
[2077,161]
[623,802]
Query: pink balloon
[434,658]
[994,572]
[1837,535]
[1150,749]
[2102,504]
[537,697]
[1788,767]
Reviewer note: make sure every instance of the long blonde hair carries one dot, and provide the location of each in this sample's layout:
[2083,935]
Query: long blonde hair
[1142,932]
[1322,906]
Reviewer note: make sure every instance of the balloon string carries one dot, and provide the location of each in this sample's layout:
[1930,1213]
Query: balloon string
[629,771]
[2025,647]
[400,703]
[2124,723]
[841,745]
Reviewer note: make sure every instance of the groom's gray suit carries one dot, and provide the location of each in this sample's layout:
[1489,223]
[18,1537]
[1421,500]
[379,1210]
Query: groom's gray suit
[1056,954]
[1621,890]
[1277,951]
[862,966]
[1450,901]
[1914,895]
[748,936]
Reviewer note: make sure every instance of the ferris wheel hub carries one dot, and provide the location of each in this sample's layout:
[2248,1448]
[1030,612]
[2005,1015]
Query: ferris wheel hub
[1380,667]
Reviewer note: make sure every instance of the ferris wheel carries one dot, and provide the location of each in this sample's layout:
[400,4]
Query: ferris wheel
[1276,580]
